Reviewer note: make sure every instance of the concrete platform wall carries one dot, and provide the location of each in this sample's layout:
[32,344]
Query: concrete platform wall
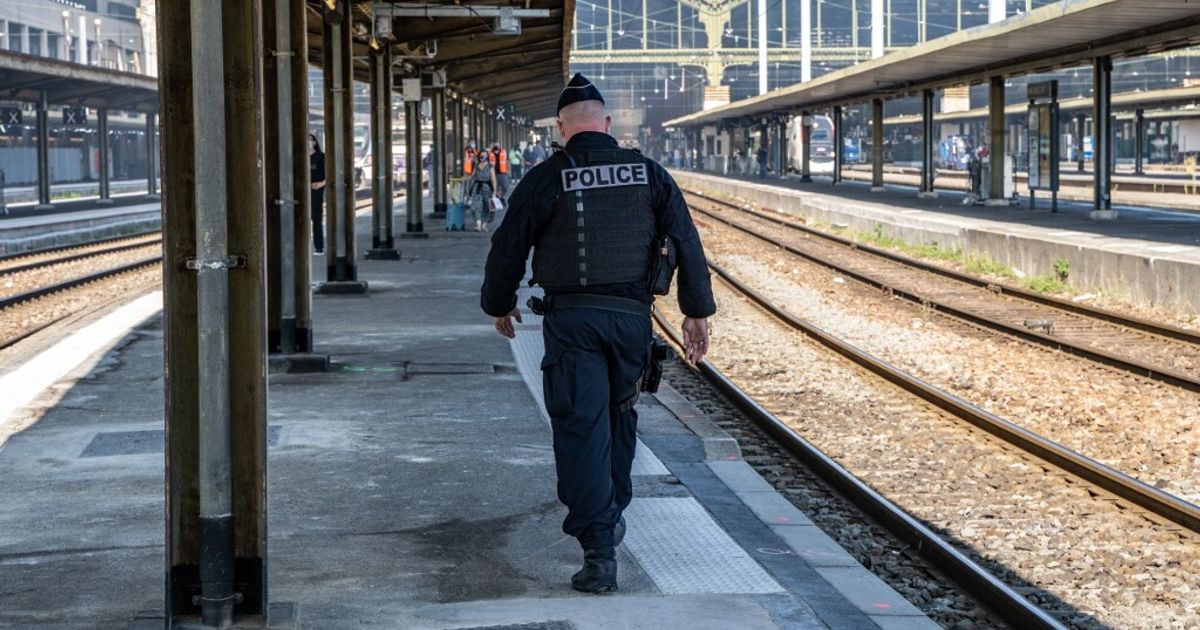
[1161,282]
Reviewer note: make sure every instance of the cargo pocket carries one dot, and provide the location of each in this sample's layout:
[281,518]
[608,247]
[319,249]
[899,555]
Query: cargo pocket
[558,386]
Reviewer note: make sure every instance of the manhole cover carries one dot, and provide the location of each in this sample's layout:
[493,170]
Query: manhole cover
[114,443]
[540,625]
[450,368]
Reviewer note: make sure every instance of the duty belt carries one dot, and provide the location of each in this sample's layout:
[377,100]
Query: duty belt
[600,302]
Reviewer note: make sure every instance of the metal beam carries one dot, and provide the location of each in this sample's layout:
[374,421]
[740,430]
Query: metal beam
[996,150]
[437,183]
[388,9]
[383,245]
[214,311]
[1102,138]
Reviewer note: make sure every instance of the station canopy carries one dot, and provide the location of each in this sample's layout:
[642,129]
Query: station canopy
[1054,36]
[25,77]
[503,53]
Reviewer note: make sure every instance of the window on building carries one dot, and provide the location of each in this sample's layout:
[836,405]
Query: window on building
[14,37]
[35,41]
[53,43]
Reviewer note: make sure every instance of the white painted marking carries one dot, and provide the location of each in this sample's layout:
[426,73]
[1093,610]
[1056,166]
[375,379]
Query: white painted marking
[24,384]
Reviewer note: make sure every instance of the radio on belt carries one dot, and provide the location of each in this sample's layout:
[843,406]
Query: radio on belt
[604,176]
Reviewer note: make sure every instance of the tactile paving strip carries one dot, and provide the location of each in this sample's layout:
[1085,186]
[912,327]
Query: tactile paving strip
[528,349]
[684,551]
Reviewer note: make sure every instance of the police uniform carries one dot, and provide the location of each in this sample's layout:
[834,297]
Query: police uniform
[591,213]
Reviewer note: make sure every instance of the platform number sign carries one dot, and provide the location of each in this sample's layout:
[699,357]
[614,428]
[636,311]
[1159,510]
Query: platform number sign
[74,115]
[10,116]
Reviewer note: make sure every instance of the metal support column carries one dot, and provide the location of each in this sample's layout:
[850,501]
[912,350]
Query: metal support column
[383,246]
[996,144]
[43,152]
[781,145]
[152,151]
[341,268]
[415,226]
[1139,139]
[1102,138]
[301,188]
[928,146]
[437,184]
[103,162]
[287,190]
[839,144]
[456,134]
[877,145]
[210,62]
[1080,130]
[806,147]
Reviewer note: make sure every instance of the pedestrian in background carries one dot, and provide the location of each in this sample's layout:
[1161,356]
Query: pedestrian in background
[482,189]
[500,165]
[316,175]
[762,161]
[597,308]
[515,162]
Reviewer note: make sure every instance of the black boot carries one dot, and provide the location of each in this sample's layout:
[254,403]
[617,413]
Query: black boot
[599,572]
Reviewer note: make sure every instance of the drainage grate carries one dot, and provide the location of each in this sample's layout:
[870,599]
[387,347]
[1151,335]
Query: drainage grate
[450,368]
[114,443]
[540,625]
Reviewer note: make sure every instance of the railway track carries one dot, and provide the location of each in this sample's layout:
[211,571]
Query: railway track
[78,275]
[1160,352]
[25,261]
[1005,601]
[1010,603]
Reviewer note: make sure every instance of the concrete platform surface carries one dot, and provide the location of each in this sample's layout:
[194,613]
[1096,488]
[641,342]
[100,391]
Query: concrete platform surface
[412,487]
[1148,255]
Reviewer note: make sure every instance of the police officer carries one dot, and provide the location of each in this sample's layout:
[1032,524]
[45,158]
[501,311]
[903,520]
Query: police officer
[593,212]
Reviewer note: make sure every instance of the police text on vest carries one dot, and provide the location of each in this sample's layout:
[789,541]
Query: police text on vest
[604,176]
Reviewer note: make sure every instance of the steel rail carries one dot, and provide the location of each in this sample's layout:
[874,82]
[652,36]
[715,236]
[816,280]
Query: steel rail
[74,282]
[1158,373]
[79,256]
[60,248]
[1115,482]
[1136,323]
[973,578]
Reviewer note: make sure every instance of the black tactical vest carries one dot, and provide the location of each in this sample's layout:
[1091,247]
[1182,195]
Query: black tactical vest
[603,227]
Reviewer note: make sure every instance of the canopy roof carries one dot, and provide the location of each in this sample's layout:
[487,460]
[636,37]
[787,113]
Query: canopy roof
[526,71]
[1054,36]
[25,77]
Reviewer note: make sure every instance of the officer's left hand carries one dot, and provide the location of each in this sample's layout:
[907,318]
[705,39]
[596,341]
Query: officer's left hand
[504,325]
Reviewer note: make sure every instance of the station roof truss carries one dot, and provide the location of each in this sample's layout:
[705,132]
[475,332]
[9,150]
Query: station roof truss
[525,71]
[1048,38]
[25,77]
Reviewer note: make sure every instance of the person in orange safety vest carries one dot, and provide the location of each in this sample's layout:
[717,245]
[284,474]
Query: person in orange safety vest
[469,158]
[500,159]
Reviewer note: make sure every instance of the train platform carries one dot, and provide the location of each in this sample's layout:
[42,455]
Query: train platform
[412,486]
[1150,256]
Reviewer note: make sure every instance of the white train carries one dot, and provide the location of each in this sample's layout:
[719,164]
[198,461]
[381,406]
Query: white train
[821,158]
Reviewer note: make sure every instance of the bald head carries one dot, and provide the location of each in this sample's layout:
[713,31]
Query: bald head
[583,116]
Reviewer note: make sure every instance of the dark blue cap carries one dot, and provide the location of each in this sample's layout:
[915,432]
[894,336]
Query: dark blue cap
[579,89]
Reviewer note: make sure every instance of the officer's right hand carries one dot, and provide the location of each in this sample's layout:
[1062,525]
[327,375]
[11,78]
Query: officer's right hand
[695,338]
[504,325]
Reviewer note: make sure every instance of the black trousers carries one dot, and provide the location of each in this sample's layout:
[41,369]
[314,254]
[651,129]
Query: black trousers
[318,220]
[593,361]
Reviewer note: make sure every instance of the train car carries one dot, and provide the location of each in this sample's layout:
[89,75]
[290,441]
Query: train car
[821,158]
